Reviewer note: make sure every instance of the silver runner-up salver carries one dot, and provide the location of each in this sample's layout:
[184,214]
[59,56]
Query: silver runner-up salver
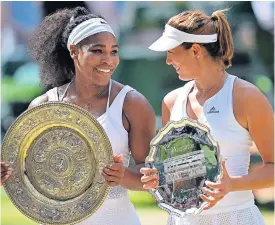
[185,156]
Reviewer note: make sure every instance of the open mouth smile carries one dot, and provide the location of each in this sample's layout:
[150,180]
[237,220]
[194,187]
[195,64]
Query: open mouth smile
[104,70]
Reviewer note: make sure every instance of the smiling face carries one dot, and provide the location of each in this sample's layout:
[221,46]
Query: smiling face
[185,61]
[97,58]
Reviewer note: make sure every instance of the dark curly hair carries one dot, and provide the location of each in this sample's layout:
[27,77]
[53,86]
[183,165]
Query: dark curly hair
[48,45]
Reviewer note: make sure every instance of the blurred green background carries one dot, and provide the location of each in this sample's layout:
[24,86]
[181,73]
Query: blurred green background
[137,25]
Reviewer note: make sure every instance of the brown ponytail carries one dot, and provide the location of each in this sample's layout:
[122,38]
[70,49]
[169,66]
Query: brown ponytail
[197,22]
[224,35]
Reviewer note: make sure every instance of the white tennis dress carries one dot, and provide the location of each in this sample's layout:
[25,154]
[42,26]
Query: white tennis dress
[236,208]
[117,209]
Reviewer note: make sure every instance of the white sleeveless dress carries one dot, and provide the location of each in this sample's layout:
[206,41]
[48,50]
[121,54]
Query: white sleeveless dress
[236,208]
[117,209]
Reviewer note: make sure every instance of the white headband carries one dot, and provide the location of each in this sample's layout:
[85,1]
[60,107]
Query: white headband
[173,37]
[86,29]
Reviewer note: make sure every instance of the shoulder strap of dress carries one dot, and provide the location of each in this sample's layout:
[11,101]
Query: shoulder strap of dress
[65,91]
[117,104]
[178,108]
[52,95]
[232,79]
[109,93]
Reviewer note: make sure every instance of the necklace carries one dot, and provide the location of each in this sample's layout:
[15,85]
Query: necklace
[87,102]
[98,95]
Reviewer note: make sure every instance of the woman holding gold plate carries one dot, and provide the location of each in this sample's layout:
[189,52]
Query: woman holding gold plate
[77,53]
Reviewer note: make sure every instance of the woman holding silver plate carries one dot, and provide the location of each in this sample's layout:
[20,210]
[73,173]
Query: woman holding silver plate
[78,53]
[200,48]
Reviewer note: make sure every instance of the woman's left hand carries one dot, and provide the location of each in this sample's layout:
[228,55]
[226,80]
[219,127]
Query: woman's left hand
[220,189]
[115,172]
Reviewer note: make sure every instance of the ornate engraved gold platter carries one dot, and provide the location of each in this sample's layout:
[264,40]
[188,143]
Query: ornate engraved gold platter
[57,151]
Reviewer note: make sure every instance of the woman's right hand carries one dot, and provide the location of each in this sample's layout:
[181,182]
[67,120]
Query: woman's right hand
[6,171]
[150,178]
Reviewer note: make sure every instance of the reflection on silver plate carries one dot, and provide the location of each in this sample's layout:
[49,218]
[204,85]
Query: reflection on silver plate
[57,151]
[185,155]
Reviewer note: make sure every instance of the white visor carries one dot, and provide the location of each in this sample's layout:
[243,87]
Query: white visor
[173,37]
